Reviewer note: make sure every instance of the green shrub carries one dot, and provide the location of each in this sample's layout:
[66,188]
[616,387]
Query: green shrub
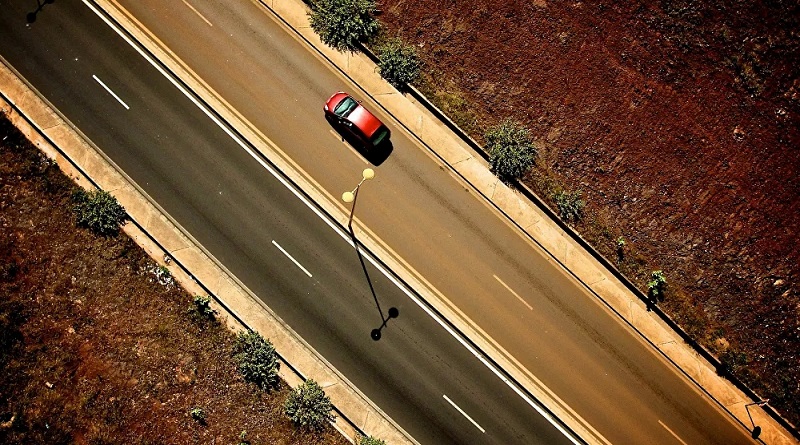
[198,414]
[98,211]
[732,362]
[163,275]
[656,285]
[202,306]
[342,24]
[308,407]
[620,248]
[256,359]
[511,150]
[570,205]
[398,62]
[369,440]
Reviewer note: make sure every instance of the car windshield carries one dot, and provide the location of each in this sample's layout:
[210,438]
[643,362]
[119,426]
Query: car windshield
[380,135]
[344,108]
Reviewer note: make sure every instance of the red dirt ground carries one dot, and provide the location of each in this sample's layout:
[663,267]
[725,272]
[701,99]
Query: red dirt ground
[93,350]
[679,121]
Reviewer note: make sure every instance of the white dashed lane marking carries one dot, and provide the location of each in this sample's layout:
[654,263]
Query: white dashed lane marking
[672,432]
[463,413]
[197,12]
[291,258]
[111,92]
[512,291]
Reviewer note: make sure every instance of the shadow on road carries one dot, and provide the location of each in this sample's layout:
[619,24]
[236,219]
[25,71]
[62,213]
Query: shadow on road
[375,334]
[31,16]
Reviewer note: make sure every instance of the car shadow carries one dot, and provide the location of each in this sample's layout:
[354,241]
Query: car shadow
[374,155]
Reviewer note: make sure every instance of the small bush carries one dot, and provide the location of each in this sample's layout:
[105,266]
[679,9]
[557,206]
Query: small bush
[163,274]
[732,362]
[342,24]
[620,248]
[369,440]
[98,211]
[198,414]
[657,284]
[511,150]
[308,407]
[202,306]
[398,62]
[256,359]
[570,205]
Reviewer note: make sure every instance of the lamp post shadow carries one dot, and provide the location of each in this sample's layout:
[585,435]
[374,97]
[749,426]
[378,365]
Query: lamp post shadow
[31,16]
[756,432]
[393,312]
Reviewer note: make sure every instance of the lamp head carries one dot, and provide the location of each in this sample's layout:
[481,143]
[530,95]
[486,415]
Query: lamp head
[368,173]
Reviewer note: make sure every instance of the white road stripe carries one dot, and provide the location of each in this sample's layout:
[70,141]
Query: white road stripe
[291,258]
[463,413]
[512,291]
[111,92]
[672,432]
[197,12]
[342,233]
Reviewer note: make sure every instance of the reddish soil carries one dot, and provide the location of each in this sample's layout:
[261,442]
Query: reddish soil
[679,121]
[93,349]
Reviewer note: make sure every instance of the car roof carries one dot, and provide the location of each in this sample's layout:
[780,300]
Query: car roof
[365,120]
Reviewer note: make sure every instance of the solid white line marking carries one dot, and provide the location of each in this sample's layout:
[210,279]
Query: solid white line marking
[672,432]
[111,92]
[197,12]
[512,291]
[341,231]
[291,258]
[463,413]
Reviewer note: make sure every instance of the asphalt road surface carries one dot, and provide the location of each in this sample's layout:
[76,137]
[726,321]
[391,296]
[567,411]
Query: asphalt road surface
[419,373]
[511,289]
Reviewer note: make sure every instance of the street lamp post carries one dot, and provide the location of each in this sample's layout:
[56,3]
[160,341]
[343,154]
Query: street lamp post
[348,197]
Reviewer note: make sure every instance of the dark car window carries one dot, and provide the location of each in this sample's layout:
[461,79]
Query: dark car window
[344,108]
[380,135]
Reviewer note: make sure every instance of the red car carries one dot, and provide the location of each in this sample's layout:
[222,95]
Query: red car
[346,112]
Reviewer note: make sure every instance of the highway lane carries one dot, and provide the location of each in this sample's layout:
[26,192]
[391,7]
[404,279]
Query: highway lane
[512,290]
[228,202]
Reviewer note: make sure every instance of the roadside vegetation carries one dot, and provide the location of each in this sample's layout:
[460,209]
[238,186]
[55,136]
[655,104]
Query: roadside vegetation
[398,62]
[511,150]
[344,24]
[309,407]
[98,211]
[370,441]
[96,343]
